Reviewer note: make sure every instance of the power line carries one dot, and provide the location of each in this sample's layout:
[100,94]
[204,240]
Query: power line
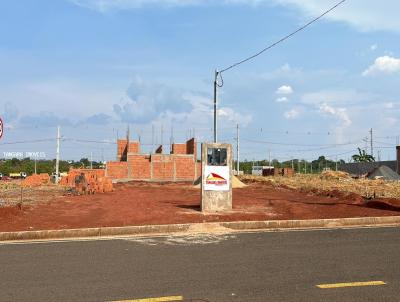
[300,145]
[283,39]
[29,141]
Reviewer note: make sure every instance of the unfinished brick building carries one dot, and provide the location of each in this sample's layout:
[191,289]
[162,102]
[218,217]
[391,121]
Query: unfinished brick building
[180,165]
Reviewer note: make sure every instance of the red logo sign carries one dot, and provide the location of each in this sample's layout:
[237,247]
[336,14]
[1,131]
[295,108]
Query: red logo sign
[1,127]
[215,179]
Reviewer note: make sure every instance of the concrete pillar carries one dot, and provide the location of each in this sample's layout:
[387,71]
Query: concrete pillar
[216,183]
[398,159]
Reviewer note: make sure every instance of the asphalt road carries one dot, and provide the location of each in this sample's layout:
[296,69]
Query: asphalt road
[270,266]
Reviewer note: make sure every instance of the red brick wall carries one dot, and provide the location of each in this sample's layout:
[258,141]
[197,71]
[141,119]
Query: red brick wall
[134,147]
[117,170]
[178,149]
[163,167]
[121,148]
[180,165]
[139,166]
[185,167]
[191,147]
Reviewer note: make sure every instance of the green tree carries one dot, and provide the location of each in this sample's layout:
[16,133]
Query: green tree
[363,157]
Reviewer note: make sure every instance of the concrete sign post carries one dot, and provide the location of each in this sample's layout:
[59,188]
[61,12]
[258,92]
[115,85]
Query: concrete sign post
[216,182]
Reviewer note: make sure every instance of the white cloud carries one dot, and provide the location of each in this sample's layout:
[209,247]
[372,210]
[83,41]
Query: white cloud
[149,101]
[391,121]
[388,105]
[232,116]
[107,5]
[383,65]
[373,47]
[291,114]
[338,97]
[284,90]
[365,15]
[339,113]
[146,101]
[282,100]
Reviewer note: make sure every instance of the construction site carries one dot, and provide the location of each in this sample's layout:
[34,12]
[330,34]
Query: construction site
[158,188]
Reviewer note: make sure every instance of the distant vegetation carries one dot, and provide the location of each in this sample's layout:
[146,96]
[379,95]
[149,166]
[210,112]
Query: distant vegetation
[299,165]
[27,165]
[363,157]
[48,166]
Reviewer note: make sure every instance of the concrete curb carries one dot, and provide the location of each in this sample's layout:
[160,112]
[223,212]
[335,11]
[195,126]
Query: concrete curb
[199,228]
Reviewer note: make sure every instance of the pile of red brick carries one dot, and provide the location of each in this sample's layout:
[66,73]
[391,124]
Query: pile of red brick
[36,180]
[87,181]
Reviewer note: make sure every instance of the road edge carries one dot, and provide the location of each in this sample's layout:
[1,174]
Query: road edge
[199,228]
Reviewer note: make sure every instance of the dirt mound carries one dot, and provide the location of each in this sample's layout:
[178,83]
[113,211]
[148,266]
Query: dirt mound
[383,172]
[334,175]
[236,183]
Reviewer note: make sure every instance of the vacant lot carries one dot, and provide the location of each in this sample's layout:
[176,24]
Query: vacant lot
[333,182]
[139,203]
[14,193]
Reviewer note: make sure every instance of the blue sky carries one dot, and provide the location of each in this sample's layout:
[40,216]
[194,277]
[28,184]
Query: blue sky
[94,66]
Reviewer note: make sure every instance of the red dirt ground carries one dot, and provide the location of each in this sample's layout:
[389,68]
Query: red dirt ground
[139,203]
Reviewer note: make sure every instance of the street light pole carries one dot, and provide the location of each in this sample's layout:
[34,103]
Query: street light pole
[215,106]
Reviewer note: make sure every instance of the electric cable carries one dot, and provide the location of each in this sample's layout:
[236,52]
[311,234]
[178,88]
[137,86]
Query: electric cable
[282,39]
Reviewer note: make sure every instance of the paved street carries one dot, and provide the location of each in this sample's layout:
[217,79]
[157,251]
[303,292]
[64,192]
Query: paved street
[270,266]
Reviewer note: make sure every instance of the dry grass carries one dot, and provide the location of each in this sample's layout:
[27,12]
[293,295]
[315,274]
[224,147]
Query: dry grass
[330,181]
[10,193]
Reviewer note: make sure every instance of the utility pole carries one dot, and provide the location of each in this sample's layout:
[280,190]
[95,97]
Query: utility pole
[269,157]
[172,134]
[91,160]
[292,165]
[152,138]
[35,165]
[162,134]
[215,107]
[372,145]
[58,155]
[336,163]
[237,149]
